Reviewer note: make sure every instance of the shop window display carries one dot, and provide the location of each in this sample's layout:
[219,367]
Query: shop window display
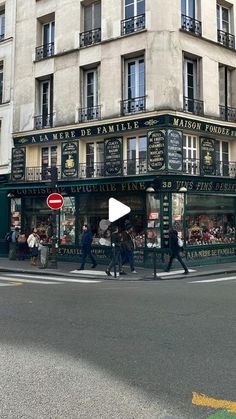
[210,219]
[15,213]
[153,238]
[67,223]
[178,212]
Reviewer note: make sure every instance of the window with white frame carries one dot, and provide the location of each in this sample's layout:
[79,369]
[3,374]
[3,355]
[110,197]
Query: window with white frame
[94,158]
[191,154]
[224,85]
[49,158]
[45,104]
[1,82]
[137,154]
[222,157]
[134,86]
[191,86]
[92,16]
[2,24]
[188,8]
[134,8]
[223,18]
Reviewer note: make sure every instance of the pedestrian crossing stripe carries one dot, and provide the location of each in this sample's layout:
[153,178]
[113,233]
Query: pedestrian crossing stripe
[27,278]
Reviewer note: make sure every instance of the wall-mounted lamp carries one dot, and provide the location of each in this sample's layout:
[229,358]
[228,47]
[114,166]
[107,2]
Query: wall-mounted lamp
[150,189]
[10,195]
[183,189]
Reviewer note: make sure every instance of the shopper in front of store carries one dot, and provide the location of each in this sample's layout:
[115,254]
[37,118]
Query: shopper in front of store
[175,251]
[33,243]
[86,247]
[128,245]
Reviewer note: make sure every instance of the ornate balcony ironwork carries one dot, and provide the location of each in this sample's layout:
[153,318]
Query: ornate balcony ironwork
[226,39]
[87,114]
[191,25]
[133,24]
[193,105]
[44,51]
[90,37]
[227,113]
[43,121]
[129,167]
[134,105]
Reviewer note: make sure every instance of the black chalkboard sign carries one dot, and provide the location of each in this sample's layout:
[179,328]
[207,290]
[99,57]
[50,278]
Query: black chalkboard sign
[69,159]
[156,150]
[113,156]
[175,150]
[208,156]
[18,164]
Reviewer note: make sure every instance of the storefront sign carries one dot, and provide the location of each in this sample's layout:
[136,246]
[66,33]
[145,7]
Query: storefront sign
[208,156]
[69,159]
[166,219]
[113,156]
[196,185]
[156,150]
[96,130]
[201,126]
[18,164]
[175,150]
[205,253]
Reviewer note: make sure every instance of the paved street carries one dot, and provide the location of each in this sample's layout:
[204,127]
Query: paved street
[85,348]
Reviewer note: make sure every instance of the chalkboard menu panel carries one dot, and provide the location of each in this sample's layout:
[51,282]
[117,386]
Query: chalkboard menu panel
[208,156]
[113,156]
[156,150]
[175,150]
[69,159]
[18,164]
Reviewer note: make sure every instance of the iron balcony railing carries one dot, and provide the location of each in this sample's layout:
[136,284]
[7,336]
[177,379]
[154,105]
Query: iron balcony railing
[87,114]
[90,37]
[134,105]
[191,25]
[124,168]
[133,24]
[193,105]
[44,51]
[2,36]
[43,121]
[227,113]
[226,39]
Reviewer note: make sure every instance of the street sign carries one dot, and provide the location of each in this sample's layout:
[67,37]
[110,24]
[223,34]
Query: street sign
[55,201]
[117,210]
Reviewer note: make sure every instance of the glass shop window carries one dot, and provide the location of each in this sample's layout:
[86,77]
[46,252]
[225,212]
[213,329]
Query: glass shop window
[178,213]
[15,213]
[153,235]
[210,219]
[67,224]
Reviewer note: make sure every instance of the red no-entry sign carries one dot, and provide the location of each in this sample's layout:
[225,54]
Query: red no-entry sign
[55,201]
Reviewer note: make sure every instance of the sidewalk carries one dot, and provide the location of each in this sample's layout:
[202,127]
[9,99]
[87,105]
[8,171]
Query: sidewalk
[143,274]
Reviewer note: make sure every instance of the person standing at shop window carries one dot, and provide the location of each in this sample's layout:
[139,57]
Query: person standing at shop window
[128,245]
[175,251]
[13,245]
[86,247]
[33,243]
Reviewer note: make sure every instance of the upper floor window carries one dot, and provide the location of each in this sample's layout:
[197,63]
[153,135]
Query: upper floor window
[222,158]
[192,87]
[189,17]
[94,159]
[226,97]
[48,41]
[92,24]
[224,29]
[134,13]
[91,109]
[45,104]
[2,24]
[137,155]
[134,86]
[1,82]
[191,154]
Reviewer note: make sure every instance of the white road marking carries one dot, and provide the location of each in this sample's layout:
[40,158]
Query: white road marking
[22,279]
[231,278]
[179,272]
[55,278]
[89,272]
[11,284]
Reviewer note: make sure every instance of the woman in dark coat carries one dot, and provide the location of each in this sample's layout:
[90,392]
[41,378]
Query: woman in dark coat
[175,251]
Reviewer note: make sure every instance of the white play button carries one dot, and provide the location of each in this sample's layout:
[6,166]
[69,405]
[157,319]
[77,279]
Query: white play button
[117,210]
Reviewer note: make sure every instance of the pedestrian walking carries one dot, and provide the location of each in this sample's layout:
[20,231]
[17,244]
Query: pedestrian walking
[22,245]
[116,251]
[33,243]
[86,247]
[175,250]
[128,246]
[13,244]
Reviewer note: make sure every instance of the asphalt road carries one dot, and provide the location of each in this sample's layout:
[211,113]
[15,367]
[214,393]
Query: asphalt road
[113,349]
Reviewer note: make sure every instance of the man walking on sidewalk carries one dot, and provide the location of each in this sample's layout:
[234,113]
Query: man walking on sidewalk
[175,251]
[86,247]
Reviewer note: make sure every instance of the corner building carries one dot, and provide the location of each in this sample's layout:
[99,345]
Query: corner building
[131,99]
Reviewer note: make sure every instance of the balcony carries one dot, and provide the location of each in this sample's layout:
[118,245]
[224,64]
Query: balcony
[193,106]
[135,167]
[191,25]
[43,121]
[91,113]
[227,113]
[134,105]
[133,24]
[226,39]
[90,37]
[44,51]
